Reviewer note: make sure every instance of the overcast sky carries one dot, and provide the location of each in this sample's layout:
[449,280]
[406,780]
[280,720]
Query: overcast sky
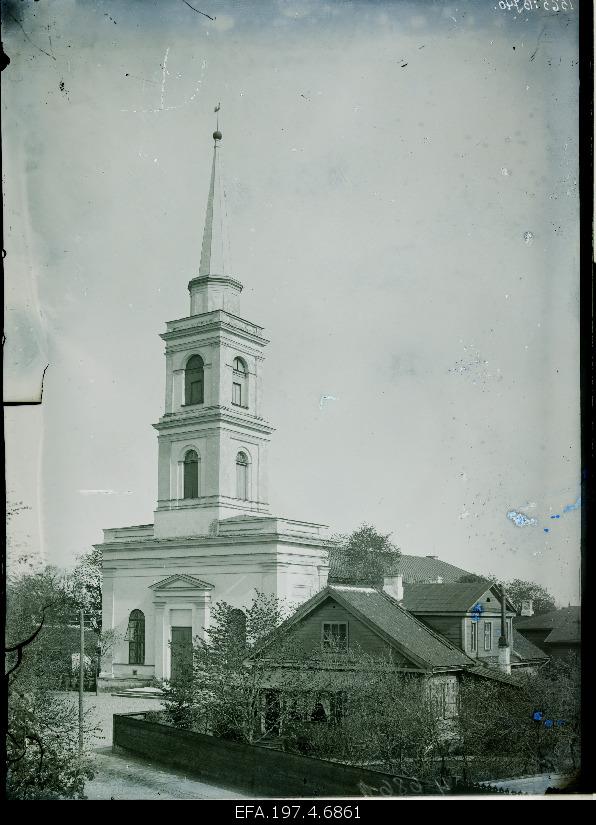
[403,214]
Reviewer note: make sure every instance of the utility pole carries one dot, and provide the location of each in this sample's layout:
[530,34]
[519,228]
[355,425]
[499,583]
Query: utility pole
[81,676]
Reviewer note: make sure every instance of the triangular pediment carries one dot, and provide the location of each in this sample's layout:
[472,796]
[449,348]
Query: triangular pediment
[181,581]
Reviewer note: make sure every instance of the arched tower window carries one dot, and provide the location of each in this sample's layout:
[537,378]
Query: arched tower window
[194,380]
[242,476]
[240,384]
[191,474]
[136,638]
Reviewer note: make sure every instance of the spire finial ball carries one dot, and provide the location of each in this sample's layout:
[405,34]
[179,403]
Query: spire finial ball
[217,135]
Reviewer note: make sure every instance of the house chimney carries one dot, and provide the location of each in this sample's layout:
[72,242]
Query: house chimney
[432,557]
[504,649]
[439,579]
[394,587]
[527,607]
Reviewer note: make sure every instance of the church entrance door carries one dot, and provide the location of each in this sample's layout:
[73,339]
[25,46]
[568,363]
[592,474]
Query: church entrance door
[181,652]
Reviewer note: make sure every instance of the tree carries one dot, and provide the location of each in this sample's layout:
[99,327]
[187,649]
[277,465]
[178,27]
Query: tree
[84,585]
[32,599]
[518,590]
[222,694]
[529,729]
[388,718]
[42,750]
[42,759]
[365,554]
[473,578]
[18,559]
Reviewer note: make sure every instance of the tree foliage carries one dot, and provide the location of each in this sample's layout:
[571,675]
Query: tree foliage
[221,694]
[42,751]
[535,728]
[83,585]
[43,759]
[473,578]
[365,555]
[519,590]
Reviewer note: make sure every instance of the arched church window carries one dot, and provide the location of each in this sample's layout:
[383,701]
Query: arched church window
[194,380]
[240,384]
[191,474]
[136,638]
[242,476]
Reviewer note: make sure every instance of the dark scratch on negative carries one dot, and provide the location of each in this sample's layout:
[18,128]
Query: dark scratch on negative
[20,25]
[197,10]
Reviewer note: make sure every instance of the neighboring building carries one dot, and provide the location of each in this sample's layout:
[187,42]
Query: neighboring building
[213,537]
[357,618]
[411,568]
[557,632]
[469,615]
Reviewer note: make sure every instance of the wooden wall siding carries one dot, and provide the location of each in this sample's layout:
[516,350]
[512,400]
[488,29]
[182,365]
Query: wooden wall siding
[447,626]
[308,632]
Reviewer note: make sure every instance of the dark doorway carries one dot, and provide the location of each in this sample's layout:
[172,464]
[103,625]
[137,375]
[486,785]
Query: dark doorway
[181,653]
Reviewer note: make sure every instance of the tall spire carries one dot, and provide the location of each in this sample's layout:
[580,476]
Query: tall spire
[214,288]
[215,252]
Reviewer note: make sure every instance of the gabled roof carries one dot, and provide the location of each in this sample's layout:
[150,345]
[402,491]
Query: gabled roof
[403,630]
[569,634]
[427,569]
[181,581]
[525,649]
[447,597]
[412,568]
[385,617]
[553,619]
[492,673]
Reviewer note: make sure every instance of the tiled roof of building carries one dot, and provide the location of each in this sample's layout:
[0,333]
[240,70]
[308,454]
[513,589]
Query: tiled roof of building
[412,568]
[427,569]
[562,617]
[568,634]
[400,626]
[564,635]
[443,598]
[494,674]
[525,649]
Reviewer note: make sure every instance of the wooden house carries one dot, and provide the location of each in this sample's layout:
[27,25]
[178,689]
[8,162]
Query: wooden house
[343,621]
[556,633]
[469,616]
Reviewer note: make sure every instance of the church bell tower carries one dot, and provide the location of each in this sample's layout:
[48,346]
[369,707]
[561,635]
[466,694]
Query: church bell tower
[212,438]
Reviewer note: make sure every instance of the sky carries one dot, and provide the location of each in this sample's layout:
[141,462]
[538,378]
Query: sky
[403,213]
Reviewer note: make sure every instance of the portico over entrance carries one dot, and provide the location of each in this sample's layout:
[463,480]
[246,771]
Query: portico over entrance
[182,606]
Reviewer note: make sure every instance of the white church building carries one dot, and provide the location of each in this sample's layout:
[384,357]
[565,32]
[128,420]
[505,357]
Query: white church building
[213,536]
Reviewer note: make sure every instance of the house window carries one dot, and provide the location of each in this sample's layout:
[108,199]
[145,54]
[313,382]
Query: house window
[474,636]
[136,638]
[191,474]
[335,636]
[240,384]
[194,376]
[242,476]
[488,635]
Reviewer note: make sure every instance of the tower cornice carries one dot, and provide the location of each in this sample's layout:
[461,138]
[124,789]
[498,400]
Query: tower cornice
[216,416]
[216,321]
